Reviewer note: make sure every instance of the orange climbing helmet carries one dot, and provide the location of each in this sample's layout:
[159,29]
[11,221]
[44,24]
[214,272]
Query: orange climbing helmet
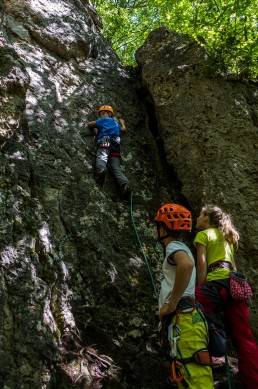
[175,217]
[107,108]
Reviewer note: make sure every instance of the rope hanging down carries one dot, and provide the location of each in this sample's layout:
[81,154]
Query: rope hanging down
[142,248]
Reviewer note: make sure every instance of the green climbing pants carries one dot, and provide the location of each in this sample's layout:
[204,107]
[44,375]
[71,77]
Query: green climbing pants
[193,337]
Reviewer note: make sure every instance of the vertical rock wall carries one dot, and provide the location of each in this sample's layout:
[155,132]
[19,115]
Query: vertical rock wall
[208,127]
[77,303]
[76,300]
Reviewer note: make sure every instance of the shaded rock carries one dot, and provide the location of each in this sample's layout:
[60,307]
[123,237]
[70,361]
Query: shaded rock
[207,126]
[13,86]
[68,281]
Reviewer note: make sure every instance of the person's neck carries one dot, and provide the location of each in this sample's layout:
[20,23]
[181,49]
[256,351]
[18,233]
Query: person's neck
[169,239]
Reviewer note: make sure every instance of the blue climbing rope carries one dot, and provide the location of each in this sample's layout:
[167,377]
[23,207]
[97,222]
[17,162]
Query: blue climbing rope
[228,371]
[142,248]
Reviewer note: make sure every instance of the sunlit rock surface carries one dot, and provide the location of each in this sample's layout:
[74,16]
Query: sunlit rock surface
[77,302]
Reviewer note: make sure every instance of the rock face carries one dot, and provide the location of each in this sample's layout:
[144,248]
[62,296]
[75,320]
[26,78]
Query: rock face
[71,267]
[77,302]
[208,126]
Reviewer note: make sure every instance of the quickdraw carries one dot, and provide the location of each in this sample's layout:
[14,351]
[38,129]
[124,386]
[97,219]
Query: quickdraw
[177,374]
[173,339]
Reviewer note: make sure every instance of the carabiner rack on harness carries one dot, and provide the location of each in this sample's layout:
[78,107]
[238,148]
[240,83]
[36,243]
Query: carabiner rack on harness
[173,339]
[177,374]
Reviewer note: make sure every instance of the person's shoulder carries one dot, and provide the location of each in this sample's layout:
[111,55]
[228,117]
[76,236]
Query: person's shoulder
[110,121]
[201,237]
[177,245]
[205,232]
[202,232]
[206,235]
[212,232]
[180,243]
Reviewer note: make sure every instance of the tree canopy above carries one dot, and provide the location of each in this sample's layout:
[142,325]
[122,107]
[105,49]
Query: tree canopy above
[227,28]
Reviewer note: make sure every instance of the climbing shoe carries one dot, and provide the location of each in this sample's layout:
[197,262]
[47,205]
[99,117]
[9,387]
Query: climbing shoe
[100,176]
[125,189]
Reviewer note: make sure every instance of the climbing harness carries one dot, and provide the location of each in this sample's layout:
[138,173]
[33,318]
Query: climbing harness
[104,142]
[142,248]
[219,264]
[201,357]
[112,143]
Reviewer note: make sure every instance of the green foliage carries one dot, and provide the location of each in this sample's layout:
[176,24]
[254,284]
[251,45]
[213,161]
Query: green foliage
[227,28]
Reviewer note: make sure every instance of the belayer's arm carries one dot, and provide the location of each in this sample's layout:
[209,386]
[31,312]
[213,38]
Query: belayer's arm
[184,269]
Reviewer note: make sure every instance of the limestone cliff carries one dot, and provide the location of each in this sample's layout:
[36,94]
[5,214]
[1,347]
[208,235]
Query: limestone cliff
[77,303]
[207,125]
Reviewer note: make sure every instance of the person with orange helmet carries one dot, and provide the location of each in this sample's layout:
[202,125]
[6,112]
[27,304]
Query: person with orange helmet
[108,143]
[180,319]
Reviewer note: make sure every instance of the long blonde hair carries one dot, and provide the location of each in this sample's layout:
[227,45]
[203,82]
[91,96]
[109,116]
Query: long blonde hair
[221,220]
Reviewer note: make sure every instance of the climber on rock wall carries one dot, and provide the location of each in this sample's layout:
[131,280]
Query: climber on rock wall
[108,152]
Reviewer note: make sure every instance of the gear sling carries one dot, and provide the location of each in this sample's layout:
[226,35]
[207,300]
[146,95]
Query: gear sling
[171,333]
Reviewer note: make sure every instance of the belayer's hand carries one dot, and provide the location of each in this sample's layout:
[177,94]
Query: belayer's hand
[166,309]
